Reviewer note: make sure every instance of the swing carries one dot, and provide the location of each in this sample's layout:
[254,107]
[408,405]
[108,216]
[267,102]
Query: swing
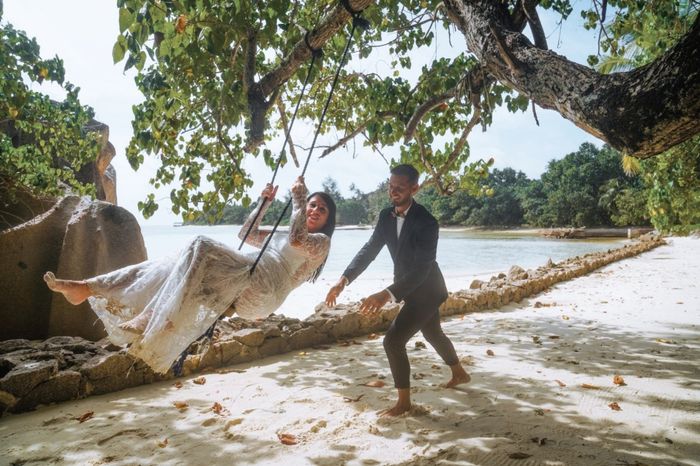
[357,21]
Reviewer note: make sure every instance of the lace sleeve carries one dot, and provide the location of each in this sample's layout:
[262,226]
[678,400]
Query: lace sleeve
[316,245]
[256,237]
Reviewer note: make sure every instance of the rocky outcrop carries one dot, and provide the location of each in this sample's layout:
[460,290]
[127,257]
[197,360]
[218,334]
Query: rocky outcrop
[23,205]
[60,368]
[26,252]
[100,172]
[77,238]
[99,237]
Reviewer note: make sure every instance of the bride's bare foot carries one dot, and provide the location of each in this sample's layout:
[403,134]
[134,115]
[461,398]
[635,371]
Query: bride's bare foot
[138,324]
[459,376]
[74,291]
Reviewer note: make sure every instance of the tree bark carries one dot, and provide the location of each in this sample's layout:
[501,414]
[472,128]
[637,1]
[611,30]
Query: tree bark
[642,112]
[258,104]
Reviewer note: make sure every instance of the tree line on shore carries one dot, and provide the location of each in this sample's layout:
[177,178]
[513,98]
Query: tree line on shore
[592,187]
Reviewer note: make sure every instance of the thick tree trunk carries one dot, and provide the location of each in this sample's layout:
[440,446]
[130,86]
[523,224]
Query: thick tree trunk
[642,112]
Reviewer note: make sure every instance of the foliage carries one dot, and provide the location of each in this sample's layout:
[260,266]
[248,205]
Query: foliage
[673,180]
[572,185]
[43,144]
[194,72]
[638,31]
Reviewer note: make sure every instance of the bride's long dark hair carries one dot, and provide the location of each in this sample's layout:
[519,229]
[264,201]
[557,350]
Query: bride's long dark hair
[327,229]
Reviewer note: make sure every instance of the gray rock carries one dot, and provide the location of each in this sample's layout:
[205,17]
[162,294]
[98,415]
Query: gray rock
[99,237]
[516,273]
[7,401]
[476,284]
[272,346]
[61,387]
[23,378]
[249,336]
[107,366]
[26,252]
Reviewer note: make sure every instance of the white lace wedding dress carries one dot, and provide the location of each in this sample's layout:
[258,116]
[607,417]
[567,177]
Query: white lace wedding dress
[187,293]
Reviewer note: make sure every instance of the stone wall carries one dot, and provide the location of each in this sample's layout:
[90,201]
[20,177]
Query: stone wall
[64,368]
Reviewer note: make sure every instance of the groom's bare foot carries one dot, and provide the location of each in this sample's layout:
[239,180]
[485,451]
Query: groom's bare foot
[138,324]
[459,376]
[397,410]
[75,292]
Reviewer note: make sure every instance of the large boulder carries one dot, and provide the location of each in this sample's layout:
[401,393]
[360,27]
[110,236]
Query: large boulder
[77,238]
[99,237]
[26,252]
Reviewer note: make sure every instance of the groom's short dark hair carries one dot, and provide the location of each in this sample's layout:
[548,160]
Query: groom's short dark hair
[406,170]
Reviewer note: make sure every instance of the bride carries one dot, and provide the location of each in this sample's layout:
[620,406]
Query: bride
[161,306]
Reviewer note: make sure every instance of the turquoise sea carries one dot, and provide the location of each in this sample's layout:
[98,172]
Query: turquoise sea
[462,254]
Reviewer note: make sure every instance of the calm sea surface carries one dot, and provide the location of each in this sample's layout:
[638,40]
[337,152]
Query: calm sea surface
[462,254]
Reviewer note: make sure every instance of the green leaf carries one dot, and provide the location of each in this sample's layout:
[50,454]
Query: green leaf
[125,19]
[119,49]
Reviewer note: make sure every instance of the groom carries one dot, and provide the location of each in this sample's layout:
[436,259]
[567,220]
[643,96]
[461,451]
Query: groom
[411,234]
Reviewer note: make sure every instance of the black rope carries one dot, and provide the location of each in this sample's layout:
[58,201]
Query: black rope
[355,24]
[315,53]
[180,362]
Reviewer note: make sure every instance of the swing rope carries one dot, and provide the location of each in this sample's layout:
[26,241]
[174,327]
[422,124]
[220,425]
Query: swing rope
[357,22]
[315,53]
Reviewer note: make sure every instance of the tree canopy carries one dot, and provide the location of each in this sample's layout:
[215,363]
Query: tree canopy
[220,78]
[43,144]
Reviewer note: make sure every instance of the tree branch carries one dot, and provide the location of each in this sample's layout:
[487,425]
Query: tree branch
[642,112]
[257,92]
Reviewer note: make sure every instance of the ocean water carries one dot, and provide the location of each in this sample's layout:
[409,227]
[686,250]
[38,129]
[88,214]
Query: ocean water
[463,255]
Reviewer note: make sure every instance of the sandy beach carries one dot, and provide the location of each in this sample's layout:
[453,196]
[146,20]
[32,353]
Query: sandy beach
[544,391]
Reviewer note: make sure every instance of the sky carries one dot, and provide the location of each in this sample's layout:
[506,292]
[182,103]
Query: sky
[83,32]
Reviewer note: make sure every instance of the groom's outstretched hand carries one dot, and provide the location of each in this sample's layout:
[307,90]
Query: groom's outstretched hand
[374,302]
[334,292]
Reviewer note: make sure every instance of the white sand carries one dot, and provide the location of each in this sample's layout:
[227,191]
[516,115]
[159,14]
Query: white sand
[639,318]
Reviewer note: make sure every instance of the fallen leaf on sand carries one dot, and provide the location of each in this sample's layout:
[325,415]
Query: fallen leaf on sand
[565,317]
[618,380]
[233,422]
[217,408]
[287,439]
[418,376]
[489,353]
[519,456]
[178,385]
[85,416]
[614,406]
[374,384]
[200,381]
[589,386]
[554,337]
[163,443]
[347,399]
[181,405]
[664,340]
[561,384]
[372,336]
[420,345]
[303,353]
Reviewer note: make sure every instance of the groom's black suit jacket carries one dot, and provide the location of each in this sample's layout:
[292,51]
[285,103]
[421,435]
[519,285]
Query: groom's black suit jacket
[417,276]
